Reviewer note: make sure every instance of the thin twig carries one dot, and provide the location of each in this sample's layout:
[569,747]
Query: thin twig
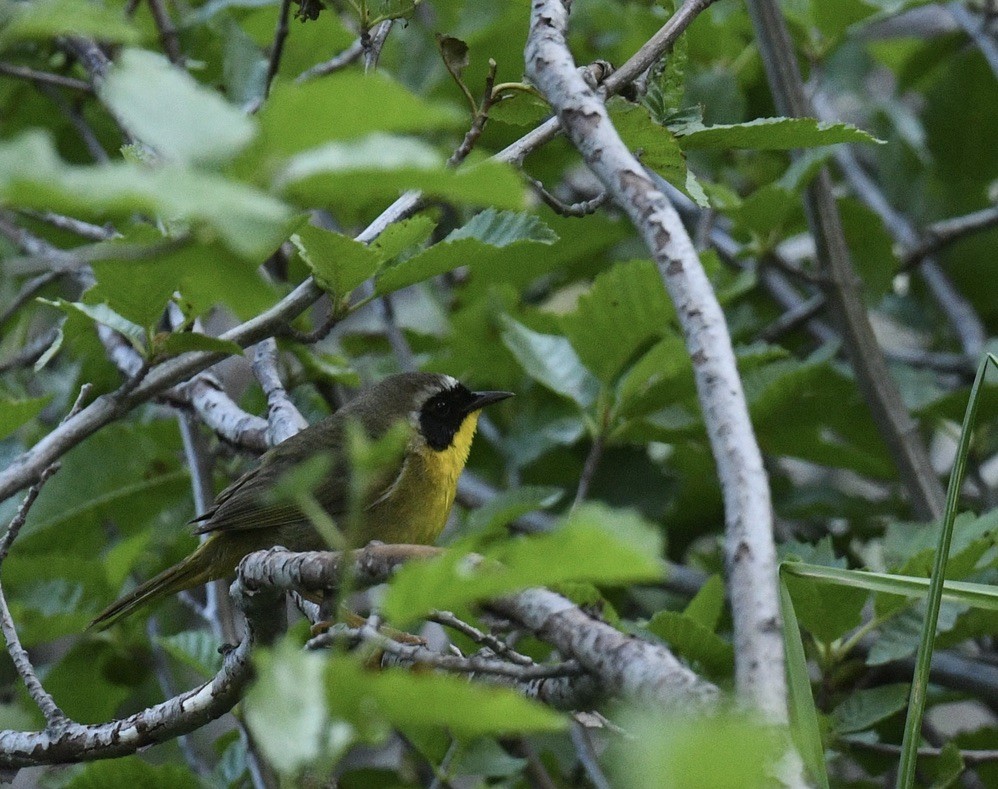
[168,37]
[31,352]
[335,63]
[373,43]
[447,619]
[890,749]
[579,209]
[976,30]
[480,117]
[941,234]
[277,48]
[587,757]
[27,292]
[793,318]
[45,77]
[592,460]
[283,418]
[86,230]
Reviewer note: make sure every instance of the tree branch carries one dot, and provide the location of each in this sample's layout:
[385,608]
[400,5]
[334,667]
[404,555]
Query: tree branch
[749,548]
[840,283]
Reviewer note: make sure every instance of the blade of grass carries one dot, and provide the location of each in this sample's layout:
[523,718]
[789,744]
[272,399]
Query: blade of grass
[803,715]
[916,705]
[976,595]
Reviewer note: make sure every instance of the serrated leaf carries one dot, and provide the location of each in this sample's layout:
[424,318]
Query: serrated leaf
[399,236]
[693,641]
[14,412]
[656,144]
[487,239]
[594,544]
[166,108]
[627,303]
[338,262]
[867,707]
[44,19]
[772,134]
[502,228]
[550,360]
[344,106]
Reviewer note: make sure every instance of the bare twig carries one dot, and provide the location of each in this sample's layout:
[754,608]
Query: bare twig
[284,420]
[31,352]
[27,292]
[941,234]
[975,28]
[54,717]
[71,224]
[889,749]
[335,63]
[480,115]
[277,48]
[373,42]
[841,285]
[582,208]
[447,619]
[587,757]
[78,122]
[593,459]
[793,318]
[168,37]
[45,77]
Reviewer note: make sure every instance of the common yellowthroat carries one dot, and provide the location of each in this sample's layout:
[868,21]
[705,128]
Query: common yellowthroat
[410,505]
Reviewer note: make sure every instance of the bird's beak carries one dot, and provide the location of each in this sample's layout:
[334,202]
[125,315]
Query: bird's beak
[482,399]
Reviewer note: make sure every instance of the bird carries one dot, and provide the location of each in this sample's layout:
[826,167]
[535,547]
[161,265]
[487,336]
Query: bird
[408,502]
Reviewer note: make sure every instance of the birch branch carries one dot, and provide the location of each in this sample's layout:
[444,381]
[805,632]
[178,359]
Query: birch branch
[749,548]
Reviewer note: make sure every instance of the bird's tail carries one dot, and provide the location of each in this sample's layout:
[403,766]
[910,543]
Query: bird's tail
[198,568]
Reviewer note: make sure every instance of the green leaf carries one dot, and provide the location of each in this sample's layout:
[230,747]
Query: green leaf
[657,144]
[708,604]
[347,105]
[400,236]
[551,360]
[489,238]
[865,708]
[693,641]
[522,108]
[131,772]
[593,544]
[772,134]
[15,412]
[803,714]
[509,505]
[176,343]
[428,702]
[101,313]
[197,649]
[41,20]
[503,228]
[372,170]
[624,313]
[338,262]
[167,109]
[286,708]
[247,221]
[828,612]
[680,749]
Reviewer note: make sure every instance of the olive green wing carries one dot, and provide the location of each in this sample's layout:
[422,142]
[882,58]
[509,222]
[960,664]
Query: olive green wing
[246,503]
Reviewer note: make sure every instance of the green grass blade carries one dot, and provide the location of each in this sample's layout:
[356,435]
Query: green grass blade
[981,596]
[803,715]
[916,706]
